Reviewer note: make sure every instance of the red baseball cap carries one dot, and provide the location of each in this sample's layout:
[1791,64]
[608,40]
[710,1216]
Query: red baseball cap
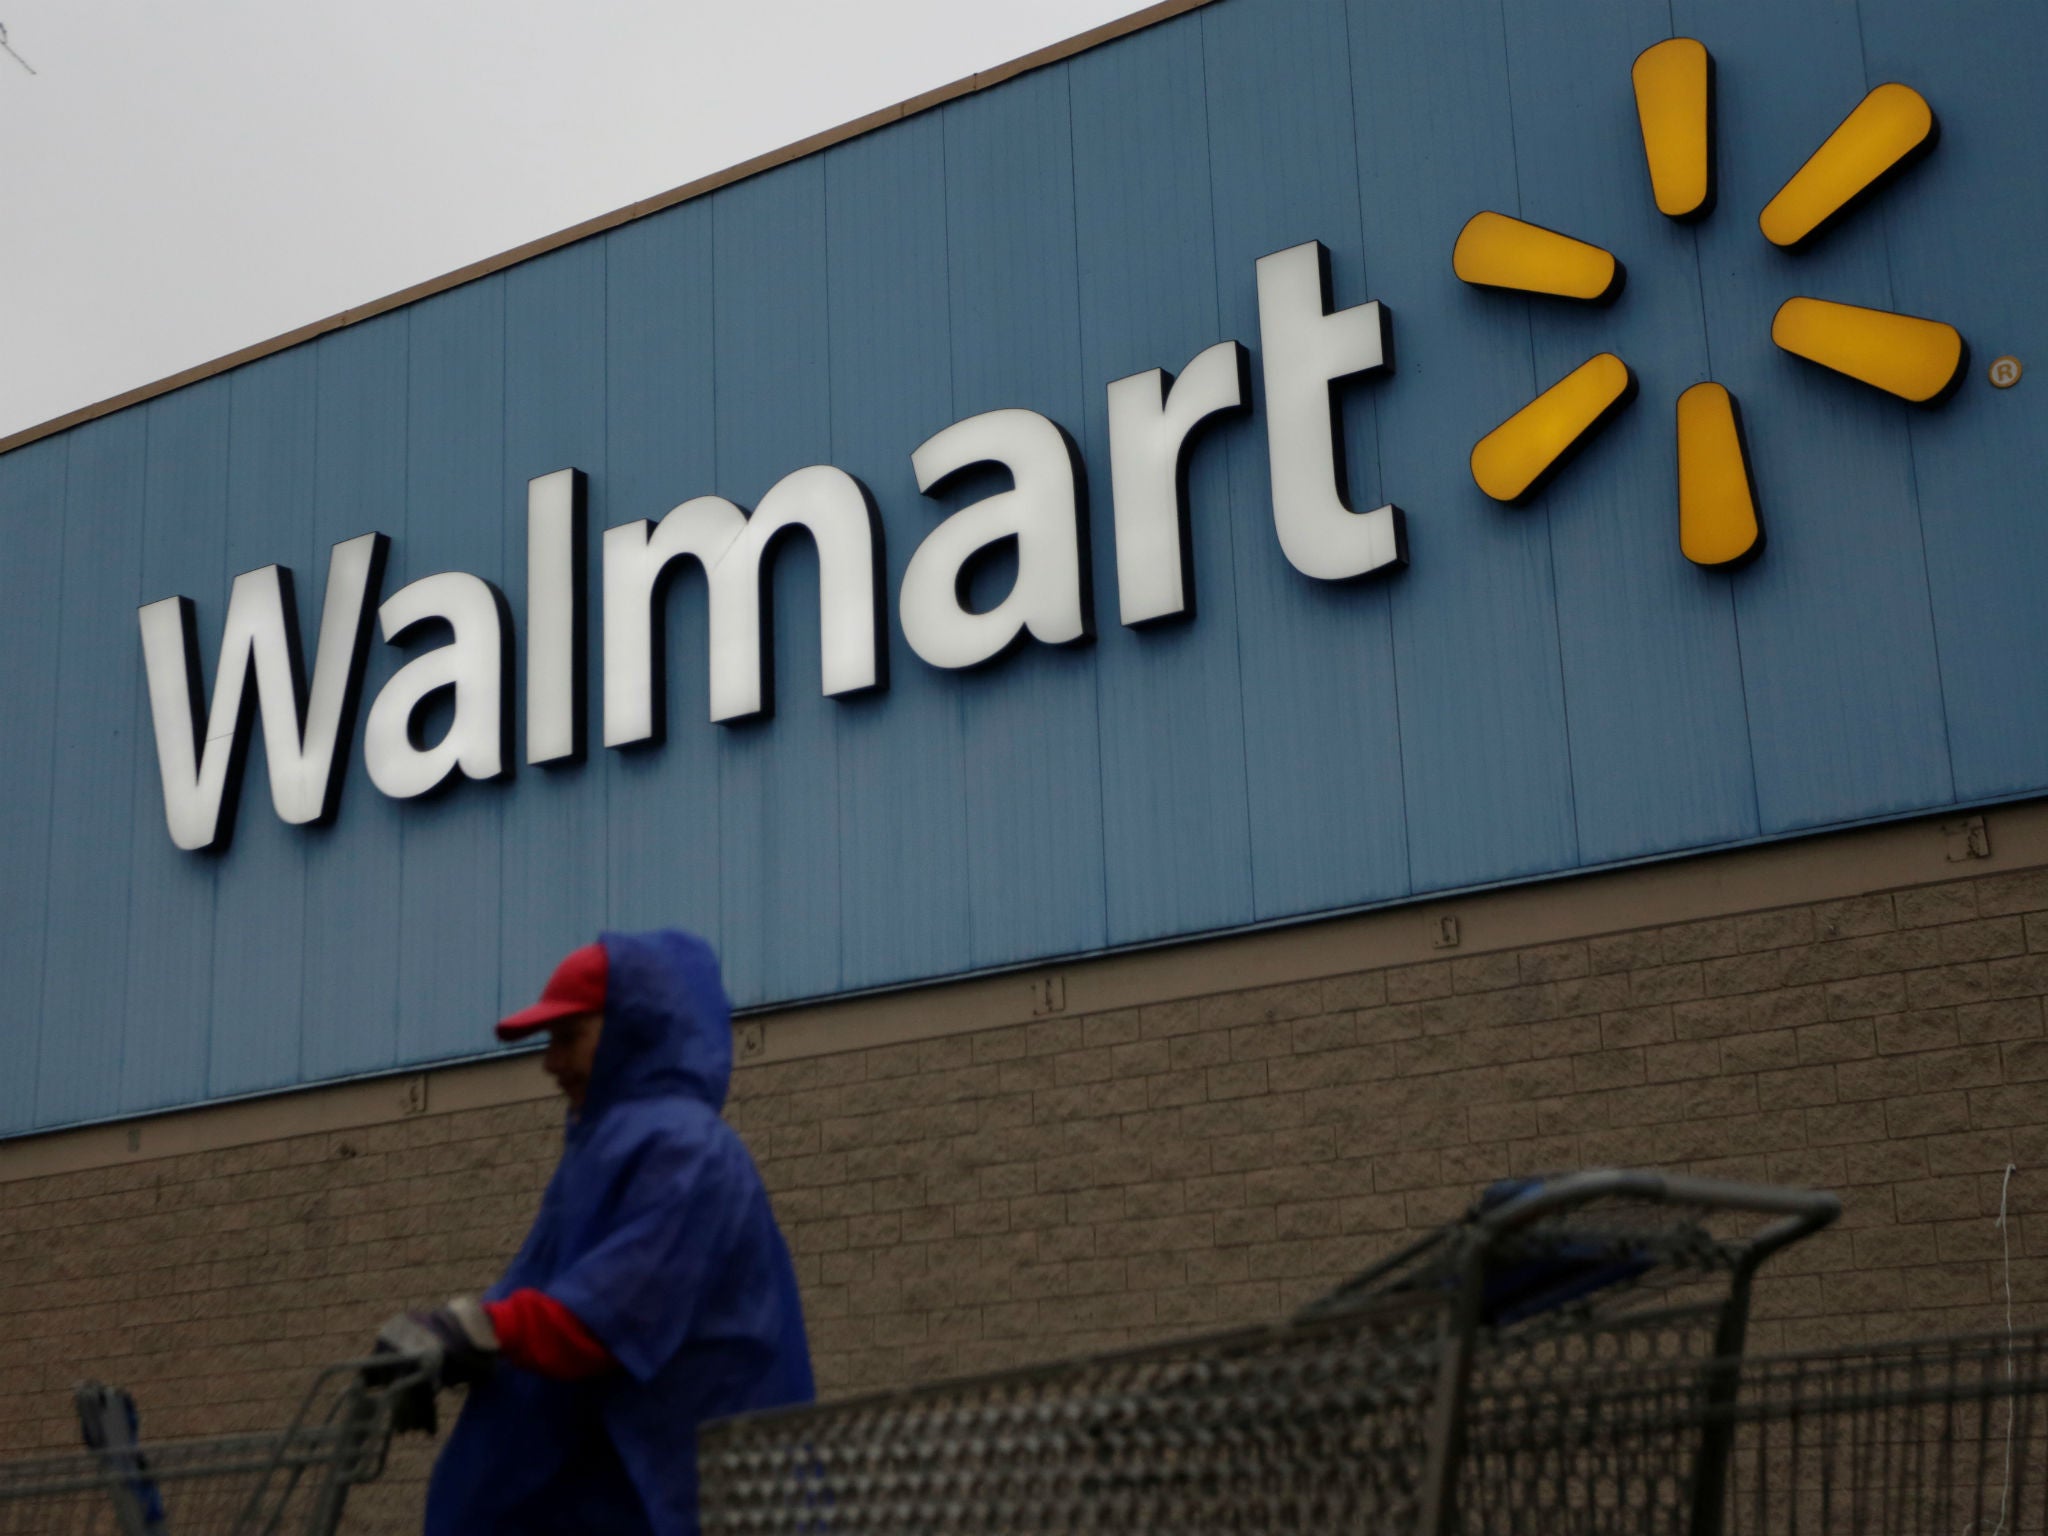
[576,987]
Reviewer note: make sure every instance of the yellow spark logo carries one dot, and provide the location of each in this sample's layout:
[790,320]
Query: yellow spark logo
[1915,359]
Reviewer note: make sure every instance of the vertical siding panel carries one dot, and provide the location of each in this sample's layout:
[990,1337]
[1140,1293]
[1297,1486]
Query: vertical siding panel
[554,831]
[663,800]
[1967,240]
[1483,742]
[1034,811]
[171,893]
[778,790]
[1317,657]
[1653,676]
[1322,736]
[1176,826]
[354,867]
[448,988]
[31,624]
[1845,708]
[102,731]
[903,797]
[260,919]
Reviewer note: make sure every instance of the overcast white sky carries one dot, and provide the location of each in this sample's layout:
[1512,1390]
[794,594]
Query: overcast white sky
[181,179]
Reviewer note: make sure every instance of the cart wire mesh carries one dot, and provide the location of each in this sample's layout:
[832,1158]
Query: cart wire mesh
[1928,1436]
[1210,1434]
[1349,1416]
[294,1482]
[1933,1435]
[1328,1427]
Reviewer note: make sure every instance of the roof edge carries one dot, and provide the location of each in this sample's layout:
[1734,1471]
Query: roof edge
[967,85]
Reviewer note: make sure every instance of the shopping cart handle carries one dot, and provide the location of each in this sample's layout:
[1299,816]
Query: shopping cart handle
[1801,1211]
[404,1381]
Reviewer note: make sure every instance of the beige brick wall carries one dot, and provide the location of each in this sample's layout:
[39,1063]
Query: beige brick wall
[1073,1183]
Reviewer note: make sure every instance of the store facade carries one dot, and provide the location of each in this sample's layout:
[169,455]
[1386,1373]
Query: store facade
[1210,699]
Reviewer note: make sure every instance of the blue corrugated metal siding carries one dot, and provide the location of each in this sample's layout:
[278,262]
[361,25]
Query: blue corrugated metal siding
[903,907]
[166,1041]
[1489,781]
[102,733]
[660,437]
[31,486]
[259,917]
[449,890]
[1967,232]
[1323,747]
[777,784]
[1845,709]
[1175,821]
[1033,760]
[554,839]
[353,867]
[1652,669]
[1548,687]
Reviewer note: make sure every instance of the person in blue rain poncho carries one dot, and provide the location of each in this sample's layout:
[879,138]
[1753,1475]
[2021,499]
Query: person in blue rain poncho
[654,1290]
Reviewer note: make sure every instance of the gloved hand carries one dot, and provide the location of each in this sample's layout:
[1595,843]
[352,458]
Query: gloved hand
[456,1343]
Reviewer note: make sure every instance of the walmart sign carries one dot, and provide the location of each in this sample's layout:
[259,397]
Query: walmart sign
[1154,421]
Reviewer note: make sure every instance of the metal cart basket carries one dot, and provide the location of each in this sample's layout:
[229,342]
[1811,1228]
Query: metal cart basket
[1931,1437]
[1389,1405]
[293,1483]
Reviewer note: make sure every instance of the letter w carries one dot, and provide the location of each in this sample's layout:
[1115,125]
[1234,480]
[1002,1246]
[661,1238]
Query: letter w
[302,736]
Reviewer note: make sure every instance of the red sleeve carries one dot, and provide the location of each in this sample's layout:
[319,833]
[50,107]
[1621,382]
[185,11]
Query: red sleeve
[539,1333]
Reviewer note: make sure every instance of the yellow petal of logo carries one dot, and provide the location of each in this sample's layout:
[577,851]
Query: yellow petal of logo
[1674,85]
[1522,452]
[1716,504]
[1495,251]
[1903,355]
[1887,127]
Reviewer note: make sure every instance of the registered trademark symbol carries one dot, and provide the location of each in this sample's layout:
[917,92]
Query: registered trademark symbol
[2005,371]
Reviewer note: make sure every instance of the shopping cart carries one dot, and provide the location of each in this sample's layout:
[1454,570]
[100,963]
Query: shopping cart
[294,1483]
[1353,1416]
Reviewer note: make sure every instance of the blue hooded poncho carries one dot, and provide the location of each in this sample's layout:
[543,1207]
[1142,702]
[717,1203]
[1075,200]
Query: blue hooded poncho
[656,1232]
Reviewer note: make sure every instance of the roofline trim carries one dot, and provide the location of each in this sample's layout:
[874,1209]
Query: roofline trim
[981,80]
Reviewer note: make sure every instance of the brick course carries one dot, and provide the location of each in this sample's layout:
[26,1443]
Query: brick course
[1077,1183]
